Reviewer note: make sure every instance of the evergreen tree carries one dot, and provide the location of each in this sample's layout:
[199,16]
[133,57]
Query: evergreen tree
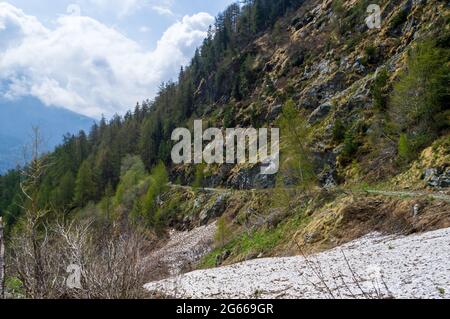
[63,196]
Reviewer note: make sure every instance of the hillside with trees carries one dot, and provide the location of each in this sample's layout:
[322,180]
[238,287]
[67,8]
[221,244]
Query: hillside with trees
[359,109]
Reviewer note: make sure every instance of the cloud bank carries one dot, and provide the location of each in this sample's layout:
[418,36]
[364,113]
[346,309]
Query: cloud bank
[85,66]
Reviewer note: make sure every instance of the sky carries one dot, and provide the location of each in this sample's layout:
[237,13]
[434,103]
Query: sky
[97,57]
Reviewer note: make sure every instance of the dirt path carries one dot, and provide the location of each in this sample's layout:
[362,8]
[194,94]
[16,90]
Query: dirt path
[439,196]
[374,266]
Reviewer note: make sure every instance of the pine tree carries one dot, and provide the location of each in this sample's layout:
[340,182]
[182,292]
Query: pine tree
[64,195]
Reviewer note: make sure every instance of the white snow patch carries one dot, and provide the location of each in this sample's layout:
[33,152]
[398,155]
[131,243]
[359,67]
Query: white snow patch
[184,249]
[416,266]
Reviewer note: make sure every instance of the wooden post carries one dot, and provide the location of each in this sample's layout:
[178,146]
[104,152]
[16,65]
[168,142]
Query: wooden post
[2,261]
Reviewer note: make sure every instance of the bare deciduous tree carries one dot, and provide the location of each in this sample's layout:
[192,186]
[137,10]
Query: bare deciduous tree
[42,249]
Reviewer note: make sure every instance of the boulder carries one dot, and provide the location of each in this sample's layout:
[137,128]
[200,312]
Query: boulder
[437,177]
[328,179]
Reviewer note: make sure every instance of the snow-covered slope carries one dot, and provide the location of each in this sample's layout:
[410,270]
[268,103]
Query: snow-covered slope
[416,266]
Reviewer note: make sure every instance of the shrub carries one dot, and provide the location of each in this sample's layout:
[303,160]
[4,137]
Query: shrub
[158,185]
[370,56]
[199,176]
[399,19]
[223,232]
[229,117]
[404,149]
[379,90]
[338,131]
[350,147]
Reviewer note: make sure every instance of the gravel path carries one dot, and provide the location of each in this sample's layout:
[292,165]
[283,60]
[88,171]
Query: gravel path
[374,266]
[439,196]
[436,195]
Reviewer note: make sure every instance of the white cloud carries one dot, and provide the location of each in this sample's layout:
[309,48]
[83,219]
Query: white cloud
[85,66]
[164,11]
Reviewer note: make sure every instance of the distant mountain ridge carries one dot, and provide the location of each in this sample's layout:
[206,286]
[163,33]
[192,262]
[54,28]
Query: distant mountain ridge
[17,118]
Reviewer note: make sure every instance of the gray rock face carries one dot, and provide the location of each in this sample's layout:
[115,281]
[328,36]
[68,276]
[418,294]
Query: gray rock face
[359,67]
[215,210]
[328,179]
[437,177]
[251,178]
[218,179]
[325,162]
[310,99]
[321,112]
[300,22]
[274,112]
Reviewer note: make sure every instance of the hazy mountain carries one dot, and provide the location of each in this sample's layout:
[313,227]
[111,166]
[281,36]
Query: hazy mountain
[17,119]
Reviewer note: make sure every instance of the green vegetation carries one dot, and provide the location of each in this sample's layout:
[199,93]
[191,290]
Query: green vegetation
[350,147]
[405,152]
[297,164]
[223,232]
[117,175]
[370,56]
[199,176]
[338,131]
[88,166]
[150,210]
[133,172]
[263,241]
[85,186]
[347,19]
[419,101]
[379,90]
[399,19]
[14,286]
[229,117]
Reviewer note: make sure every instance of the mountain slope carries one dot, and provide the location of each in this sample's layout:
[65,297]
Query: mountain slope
[17,118]
[365,141]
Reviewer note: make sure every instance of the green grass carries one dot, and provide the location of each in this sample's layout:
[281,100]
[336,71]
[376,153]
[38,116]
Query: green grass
[14,286]
[262,241]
